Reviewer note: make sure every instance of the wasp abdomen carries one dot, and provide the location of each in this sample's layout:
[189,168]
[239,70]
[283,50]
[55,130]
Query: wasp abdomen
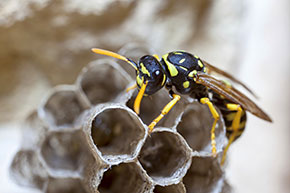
[228,117]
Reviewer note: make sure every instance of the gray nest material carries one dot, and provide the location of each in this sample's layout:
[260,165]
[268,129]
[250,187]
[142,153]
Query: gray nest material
[86,138]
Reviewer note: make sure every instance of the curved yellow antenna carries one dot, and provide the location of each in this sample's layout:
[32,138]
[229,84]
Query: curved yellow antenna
[139,98]
[115,55]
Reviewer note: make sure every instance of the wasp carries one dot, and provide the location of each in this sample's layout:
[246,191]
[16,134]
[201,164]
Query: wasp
[190,75]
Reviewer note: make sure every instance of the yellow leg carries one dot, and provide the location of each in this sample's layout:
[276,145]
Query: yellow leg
[216,118]
[139,97]
[235,127]
[164,111]
[131,87]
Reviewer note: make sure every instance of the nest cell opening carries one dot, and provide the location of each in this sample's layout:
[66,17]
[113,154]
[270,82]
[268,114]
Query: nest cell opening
[64,151]
[116,132]
[175,188]
[63,107]
[126,177]
[163,154]
[203,176]
[195,126]
[27,170]
[102,82]
[65,185]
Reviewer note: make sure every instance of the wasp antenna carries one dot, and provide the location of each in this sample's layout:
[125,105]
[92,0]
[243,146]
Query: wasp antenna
[115,55]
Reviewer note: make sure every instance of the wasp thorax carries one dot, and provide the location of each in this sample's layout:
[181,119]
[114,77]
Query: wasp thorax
[185,60]
[151,71]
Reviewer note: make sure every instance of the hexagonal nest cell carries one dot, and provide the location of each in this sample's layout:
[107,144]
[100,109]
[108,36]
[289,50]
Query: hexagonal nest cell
[27,170]
[204,176]
[126,177]
[102,81]
[65,185]
[165,157]
[195,127]
[62,107]
[64,153]
[117,132]
[174,188]
[86,138]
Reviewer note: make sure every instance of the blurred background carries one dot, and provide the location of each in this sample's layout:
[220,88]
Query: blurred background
[44,43]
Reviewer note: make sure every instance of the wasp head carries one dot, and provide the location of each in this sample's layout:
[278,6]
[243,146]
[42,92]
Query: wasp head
[149,70]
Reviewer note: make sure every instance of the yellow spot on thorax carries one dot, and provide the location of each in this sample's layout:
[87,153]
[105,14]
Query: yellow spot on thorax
[144,69]
[192,73]
[186,84]
[183,68]
[172,69]
[181,61]
[200,63]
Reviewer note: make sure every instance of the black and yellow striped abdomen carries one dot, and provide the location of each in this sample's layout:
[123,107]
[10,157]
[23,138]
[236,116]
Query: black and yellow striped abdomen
[228,117]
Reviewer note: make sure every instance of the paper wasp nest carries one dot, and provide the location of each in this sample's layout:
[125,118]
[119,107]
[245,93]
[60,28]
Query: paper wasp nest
[86,138]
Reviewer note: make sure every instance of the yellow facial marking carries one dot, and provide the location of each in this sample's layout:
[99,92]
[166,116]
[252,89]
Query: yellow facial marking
[144,69]
[172,69]
[163,81]
[178,53]
[181,61]
[205,69]
[186,84]
[192,73]
[139,80]
[200,63]
[196,56]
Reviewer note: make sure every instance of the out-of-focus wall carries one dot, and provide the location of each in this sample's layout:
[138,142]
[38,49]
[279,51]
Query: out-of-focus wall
[259,160]
[47,42]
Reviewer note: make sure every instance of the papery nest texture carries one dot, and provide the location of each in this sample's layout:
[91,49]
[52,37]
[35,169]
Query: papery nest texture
[86,138]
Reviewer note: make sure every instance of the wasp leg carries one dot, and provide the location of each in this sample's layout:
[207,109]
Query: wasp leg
[164,111]
[216,117]
[131,87]
[235,127]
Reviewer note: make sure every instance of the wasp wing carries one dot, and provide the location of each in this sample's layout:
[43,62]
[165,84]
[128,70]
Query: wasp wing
[229,76]
[231,94]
